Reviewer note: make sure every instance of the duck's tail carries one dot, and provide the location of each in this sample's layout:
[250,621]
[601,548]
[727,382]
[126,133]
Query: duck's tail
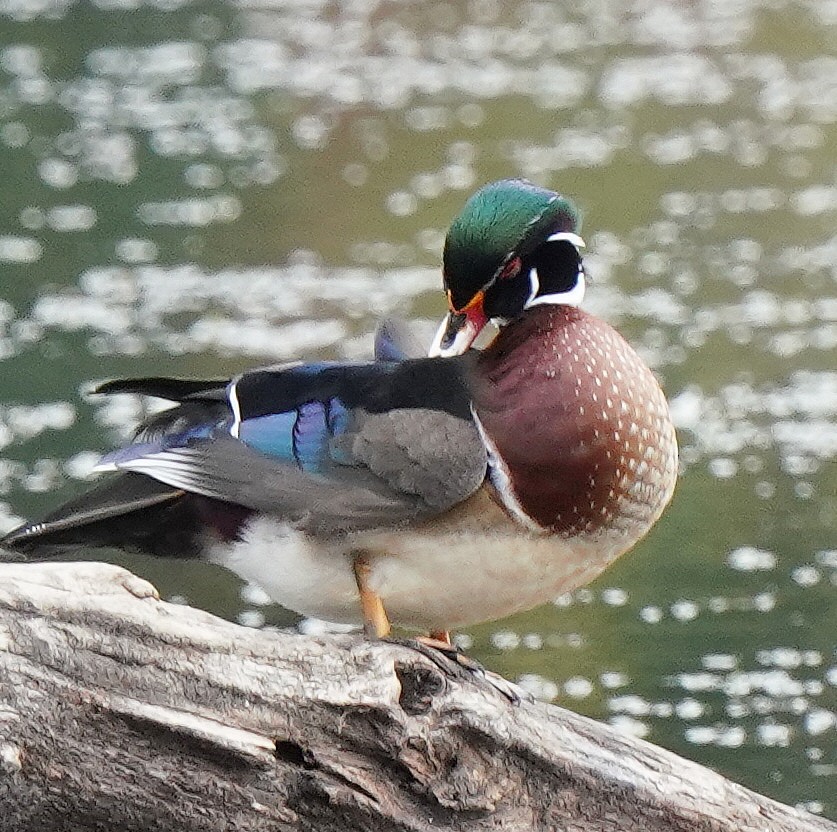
[131,512]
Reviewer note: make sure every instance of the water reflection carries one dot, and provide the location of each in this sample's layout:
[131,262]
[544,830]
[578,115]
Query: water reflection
[193,188]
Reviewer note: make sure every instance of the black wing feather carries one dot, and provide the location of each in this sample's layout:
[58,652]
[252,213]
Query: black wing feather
[172,389]
[105,515]
[414,384]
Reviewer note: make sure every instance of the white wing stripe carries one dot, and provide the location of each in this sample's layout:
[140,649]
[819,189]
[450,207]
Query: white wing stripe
[172,468]
[232,396]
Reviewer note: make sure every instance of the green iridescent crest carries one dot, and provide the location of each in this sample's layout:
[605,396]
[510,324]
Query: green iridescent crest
[501,220]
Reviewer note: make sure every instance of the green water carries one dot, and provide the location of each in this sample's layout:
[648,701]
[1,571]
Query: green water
[194,188]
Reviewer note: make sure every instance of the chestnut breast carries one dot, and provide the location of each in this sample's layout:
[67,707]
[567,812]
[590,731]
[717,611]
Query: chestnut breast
[579,422]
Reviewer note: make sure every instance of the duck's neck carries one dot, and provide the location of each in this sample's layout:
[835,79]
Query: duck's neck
[528,330]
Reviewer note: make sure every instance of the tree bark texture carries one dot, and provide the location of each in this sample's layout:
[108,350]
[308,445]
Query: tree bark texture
[120,712]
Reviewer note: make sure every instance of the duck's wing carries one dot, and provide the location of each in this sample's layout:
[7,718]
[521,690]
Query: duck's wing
[329,447]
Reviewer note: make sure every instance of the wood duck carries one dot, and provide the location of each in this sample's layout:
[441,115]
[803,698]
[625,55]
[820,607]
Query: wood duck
[433,492]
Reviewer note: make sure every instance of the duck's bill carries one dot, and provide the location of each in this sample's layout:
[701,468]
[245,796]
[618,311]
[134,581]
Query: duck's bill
[458,331]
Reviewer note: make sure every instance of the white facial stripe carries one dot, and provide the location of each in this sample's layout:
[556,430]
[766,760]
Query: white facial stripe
[573,297]
[571,238]
[534,287]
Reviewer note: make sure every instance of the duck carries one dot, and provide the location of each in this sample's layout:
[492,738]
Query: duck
[430,492]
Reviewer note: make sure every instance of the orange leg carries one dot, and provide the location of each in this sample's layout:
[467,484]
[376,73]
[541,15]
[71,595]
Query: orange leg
[375,621]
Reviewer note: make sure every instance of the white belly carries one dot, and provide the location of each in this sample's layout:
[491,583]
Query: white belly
[439,577]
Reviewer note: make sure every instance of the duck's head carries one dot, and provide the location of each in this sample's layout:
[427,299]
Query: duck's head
[513,246]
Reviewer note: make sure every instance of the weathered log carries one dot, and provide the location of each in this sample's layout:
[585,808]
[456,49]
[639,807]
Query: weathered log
[121,712]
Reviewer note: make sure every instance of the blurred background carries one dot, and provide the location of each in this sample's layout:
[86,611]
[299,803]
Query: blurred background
[192,188]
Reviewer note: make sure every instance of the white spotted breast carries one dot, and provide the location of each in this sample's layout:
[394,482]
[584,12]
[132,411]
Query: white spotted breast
[579,424]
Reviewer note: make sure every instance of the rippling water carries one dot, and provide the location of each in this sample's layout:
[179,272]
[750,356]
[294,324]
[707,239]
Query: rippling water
[192,188]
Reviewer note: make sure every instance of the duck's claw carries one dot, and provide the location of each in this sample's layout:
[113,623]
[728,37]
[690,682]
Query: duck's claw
[455,664]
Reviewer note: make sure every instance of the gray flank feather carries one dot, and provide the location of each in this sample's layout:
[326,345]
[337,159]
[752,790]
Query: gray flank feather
[431,455]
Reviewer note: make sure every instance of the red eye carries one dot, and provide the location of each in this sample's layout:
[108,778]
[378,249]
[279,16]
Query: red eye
[511,269]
